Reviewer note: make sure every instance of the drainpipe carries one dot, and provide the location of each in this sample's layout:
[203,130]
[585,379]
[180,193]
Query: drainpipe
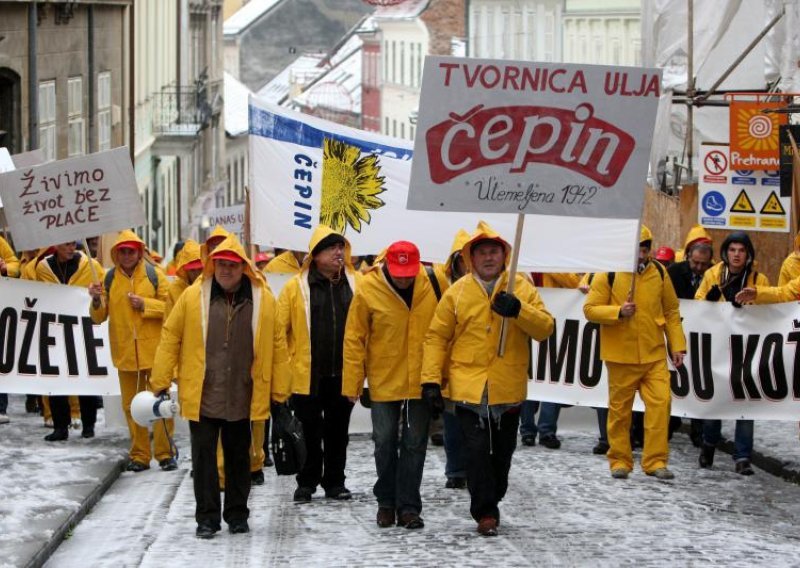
[466,29]
[92,82]
[132,83]
[33,81]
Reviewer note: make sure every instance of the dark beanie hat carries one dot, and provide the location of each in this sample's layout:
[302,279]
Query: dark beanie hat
[329,241]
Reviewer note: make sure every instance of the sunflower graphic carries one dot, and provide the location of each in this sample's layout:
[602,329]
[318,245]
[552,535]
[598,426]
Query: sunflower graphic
[350,186]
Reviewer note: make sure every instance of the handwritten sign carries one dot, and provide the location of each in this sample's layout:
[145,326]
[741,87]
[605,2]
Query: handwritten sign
[71,199]
[229,218]
[534,138]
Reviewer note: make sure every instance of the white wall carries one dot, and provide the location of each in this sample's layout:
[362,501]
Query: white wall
[528,30]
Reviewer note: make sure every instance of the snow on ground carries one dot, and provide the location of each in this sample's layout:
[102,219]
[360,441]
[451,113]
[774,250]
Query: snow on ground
[562,509]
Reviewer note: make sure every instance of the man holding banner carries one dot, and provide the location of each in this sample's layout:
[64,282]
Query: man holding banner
[462,344]
[635,312]
[132,298]
[70,267]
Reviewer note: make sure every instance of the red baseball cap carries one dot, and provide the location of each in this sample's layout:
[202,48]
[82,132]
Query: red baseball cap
[262,257]
[193,265]
[402,259]
[129,245]
[665,253]
[226,255]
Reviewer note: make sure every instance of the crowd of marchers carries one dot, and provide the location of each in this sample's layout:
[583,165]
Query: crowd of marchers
[418,345]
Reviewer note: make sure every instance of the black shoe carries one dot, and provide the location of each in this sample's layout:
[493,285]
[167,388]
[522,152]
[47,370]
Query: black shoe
[385,517]
[303,494]
[206,529]
[529,440]
[136,467]
[456,483]
[32,404]
[437,439]
[238,527]
[410,521]
[601,448]
[697,439]
[550,441]
[257,477]
[706,458]
[341,493]
[268,461]
[168,464]
[58,435]
[87,432]
[743,467]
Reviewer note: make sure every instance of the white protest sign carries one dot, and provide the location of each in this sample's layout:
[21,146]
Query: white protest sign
[6,165]
[71,199]
[229,218]
[304,170]
[48,343]
[525,137]
[740,363]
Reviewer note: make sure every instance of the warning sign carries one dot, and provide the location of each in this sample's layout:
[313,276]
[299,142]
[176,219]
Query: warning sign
[739,221]
[716,163]
[742,204]
[772,206]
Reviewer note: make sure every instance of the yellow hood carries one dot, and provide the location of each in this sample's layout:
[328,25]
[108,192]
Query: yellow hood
[695,233]
[189,253]
[232,244]
[217,232]
[320,233]
[645,235]
[461,238]
[484,231]
[123,237]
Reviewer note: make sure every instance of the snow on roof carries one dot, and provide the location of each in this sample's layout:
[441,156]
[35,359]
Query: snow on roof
[339,88]
[246,15]
[404,10]
[236,101]
[302,71]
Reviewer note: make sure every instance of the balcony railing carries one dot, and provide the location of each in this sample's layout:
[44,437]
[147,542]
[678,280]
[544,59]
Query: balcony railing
[185,110]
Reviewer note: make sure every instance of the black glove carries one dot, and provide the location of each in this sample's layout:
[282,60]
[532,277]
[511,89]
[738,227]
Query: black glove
[714,294]
[432,397]
[279,408]
[507,305]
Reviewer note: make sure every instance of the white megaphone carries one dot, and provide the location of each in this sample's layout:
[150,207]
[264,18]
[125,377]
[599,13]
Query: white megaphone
[146,408]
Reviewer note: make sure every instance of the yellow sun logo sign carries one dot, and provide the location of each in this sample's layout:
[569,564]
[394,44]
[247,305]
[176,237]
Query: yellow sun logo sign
[756,131]
[350,186]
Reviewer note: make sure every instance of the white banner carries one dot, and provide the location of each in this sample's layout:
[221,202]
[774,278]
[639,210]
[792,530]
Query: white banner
[71,199]
[48,344]
[741,362]
[304,170]
[229,218]
[748,200]
[525,137]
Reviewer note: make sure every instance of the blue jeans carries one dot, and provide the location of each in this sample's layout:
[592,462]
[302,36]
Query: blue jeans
[3,403]
[527,418]
[548,418]
[456,467]
[742,440]
[602,424]
[399,462]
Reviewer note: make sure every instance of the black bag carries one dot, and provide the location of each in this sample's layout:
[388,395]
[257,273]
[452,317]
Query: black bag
[288,442]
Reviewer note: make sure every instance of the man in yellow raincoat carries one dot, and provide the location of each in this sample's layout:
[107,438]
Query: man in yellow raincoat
[223,337]
[312,309]
[9,263]
[633,346]
[462,345]
[132,297]
[386,325]
[287,262]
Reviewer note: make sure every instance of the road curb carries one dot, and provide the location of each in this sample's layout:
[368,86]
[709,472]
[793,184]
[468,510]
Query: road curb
[768,463]
[46,551]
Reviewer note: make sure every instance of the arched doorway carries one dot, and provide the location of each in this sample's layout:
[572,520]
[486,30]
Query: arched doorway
[10,110]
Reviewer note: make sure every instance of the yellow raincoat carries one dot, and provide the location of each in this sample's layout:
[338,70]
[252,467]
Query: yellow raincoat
[444,272]
[695,233]
[789,292]
[713,275]
[183,344]
[189,253]
[465,328]
[383,338]
[285,263]
[560,280]
[790,269]
[82,277]
[216,233]
[11,260]
[294,310]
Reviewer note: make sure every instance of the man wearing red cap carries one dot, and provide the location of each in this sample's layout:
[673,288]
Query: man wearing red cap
[665,256]
[386,326]
[132,298]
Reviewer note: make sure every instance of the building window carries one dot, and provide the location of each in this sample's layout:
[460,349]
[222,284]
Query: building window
[402,130]
[549,37]
[412,132]
[47,120]
[104,111]
[402,63]
[75,127]
[386,62]
[394,128]
[394,62]
[412,78]
[386,126]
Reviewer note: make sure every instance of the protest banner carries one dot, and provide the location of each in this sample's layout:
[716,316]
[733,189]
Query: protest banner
[741,363]
[48,343]
[305,170]
[229,218]
[71,199]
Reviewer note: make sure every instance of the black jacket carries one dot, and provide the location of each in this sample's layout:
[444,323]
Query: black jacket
[681,276]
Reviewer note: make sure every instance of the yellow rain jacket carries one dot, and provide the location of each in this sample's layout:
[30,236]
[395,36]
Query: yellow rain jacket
[11,260]
[184,336]
[82,277]
[444,272]
[713,275]
[134,335]
[790,269]
[637,339]
[28,269]
[789,292]
[465,328]
[560,280]
[189,253]
[294,310]
[284,263]
[383,338]
[217,232]
[695,233]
